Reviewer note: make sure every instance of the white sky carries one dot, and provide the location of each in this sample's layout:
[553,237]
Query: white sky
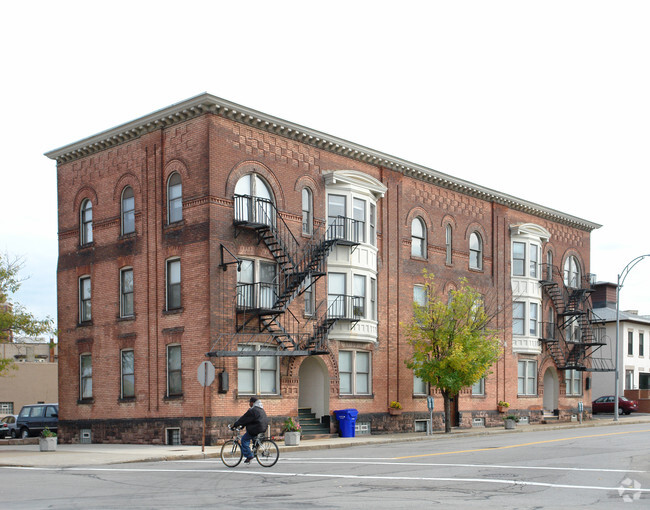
[547,101]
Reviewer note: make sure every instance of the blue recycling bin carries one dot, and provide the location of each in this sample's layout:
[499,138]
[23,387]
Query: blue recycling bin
[347,419]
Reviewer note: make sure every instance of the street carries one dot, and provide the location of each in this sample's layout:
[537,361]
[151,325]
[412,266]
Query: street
[599,467]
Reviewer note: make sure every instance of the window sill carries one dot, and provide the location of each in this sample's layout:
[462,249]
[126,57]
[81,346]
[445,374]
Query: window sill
[85,324]
[126,318]
[173,311]
[528,396]
[417,257]
[86,401]
[174,226]
[356,396]
[127,236]
[86,246]
[172,398]
[126,400]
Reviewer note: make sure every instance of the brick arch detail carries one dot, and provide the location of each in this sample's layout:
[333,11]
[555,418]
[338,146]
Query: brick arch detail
[330,363]
[125,180]
[176,165]
[569,252]
[84,193]
[415,212]
[249,167]
[448,220]
[307,181]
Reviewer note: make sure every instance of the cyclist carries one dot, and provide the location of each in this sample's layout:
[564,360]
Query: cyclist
[256,422]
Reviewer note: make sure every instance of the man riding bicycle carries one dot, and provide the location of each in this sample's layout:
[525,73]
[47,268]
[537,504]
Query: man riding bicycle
[256,422]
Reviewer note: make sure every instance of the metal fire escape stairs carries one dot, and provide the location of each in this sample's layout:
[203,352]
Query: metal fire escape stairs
[264,306]
[575,339]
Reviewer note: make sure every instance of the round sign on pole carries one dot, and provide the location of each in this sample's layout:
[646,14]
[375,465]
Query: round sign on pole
[205,373]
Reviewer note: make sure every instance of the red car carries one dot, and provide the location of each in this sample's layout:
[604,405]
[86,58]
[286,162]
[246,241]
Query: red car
[606,405]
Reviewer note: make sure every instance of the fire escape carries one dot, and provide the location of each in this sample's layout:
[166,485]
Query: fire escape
[574,339]
[263,317]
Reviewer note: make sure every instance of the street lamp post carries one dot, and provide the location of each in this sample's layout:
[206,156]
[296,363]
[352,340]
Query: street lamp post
[621,279]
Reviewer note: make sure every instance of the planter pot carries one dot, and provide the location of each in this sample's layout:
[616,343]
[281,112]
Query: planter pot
[510,424]
[292,438]
[502,409]
[394,412]
[47,444]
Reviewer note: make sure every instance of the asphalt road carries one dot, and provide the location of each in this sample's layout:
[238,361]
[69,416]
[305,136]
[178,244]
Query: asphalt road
[599,467]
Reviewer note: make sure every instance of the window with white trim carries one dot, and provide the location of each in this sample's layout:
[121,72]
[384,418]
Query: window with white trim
[373,299]
[572,276]
[373,224]
[527,377]
[630,343]
[475,251]
[641,346]
[573,382]
[518,317]
[420,387]
[85,312]
[354,373]
[128,211]
[126,292]
[257,375]
[418,238]
[533,318]
[359,215]
[174,198]
[308,295]
[448,244]
[86,222]
[257,285]
[359,289]
[478,388]
[127,373]
[85,377]
[307,211]
[174,374]
[254,200]
[173,284]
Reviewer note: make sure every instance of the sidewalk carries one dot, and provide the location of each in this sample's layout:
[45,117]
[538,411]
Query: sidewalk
[68,455]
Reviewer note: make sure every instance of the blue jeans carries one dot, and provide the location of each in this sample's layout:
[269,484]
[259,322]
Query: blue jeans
[246,445]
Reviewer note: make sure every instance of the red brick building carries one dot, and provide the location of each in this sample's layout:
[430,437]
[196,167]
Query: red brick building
[288,258]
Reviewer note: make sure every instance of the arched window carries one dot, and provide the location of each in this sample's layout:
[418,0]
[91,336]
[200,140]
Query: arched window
[448,245]
[128,211]
[253,200]
[418,238]
[572,277]
[86,222]
[549,265]
[307,211]
[174,198]
[475,251]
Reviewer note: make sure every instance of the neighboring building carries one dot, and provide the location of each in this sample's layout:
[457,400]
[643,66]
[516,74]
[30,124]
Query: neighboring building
[34,378]
[633,345]
[291,257]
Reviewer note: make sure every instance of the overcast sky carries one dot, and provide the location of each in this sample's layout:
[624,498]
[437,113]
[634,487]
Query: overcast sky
[547,101]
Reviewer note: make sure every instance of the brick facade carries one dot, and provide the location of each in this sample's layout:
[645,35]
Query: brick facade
[211,148]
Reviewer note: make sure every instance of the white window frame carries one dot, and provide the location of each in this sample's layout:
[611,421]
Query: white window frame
[174,370]
[572,273]
[359,216]
[258,365]
[85,301]
[475,251]
[420,387]
[573,382]
[418,239]
[307,211]
[373,299]
[478,388]
[355,373]
[125,293]
[86,222]
[169,284]
[519,319]
[630,343]
[373,224]
[641,344]
[448,244]
[125,374]
[359,303]
[174,198]
[127,204]
[308,296]
[527,377]
[85,376]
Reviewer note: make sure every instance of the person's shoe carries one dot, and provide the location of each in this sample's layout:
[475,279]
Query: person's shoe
[248,460]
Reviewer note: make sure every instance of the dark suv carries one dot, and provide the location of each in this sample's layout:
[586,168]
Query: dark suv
[33,418]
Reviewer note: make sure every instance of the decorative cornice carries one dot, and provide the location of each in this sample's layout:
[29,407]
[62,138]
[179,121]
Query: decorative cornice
[207,103]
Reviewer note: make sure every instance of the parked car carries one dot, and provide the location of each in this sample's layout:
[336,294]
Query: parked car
[33,418]
[606,405]
[8,426]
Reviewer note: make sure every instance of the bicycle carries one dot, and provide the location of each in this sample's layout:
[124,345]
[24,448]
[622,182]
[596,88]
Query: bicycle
[264,450]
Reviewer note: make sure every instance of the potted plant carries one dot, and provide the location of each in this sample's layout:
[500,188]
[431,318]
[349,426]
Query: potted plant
[292,432]
[502,406]
[395,408]
[47,441]
[511,421]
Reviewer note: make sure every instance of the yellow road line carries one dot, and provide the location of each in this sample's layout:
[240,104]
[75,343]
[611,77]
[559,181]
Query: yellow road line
[519,445]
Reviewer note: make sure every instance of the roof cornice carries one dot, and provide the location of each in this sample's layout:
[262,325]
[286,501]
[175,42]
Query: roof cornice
[207,103]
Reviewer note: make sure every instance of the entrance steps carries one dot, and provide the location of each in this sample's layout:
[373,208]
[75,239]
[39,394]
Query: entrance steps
[311,426]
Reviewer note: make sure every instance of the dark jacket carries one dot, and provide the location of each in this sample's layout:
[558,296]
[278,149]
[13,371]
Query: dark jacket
[254,420]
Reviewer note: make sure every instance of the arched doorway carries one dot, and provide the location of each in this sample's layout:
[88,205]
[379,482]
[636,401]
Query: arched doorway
[313,386]
[551,389]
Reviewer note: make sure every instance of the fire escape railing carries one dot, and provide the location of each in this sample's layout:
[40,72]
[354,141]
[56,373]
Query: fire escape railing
[268,302]
[575,337]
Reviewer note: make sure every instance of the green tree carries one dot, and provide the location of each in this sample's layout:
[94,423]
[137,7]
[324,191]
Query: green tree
[453,347]
[14,318]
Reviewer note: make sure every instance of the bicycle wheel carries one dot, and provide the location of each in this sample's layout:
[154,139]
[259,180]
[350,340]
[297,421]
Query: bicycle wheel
[267,453]
[231,453]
